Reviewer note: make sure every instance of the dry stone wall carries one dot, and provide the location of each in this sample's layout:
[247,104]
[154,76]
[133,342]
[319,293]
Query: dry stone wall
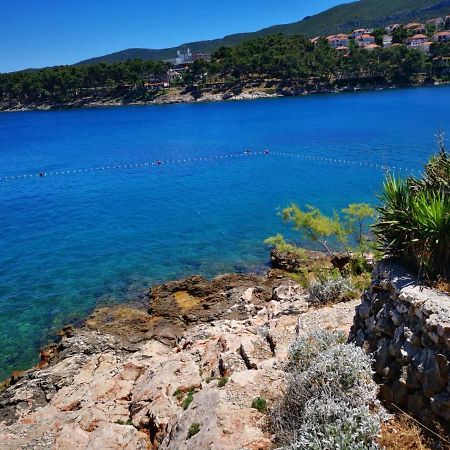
[407,328]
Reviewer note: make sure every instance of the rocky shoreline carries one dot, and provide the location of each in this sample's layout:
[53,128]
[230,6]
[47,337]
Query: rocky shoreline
[136,378]
[177,96]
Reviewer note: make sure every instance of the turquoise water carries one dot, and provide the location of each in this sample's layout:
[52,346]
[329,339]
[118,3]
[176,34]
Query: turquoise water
[70,242]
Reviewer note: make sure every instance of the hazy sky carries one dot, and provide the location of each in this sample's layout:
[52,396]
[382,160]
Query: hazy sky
[37,33]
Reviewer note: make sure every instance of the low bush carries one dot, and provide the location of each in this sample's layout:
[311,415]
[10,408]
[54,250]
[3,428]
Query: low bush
[331,424]
[222,382]
[332,290]
[330,400]
[284,246]
[193,430]
[188,400]
[260,404]
[306,349]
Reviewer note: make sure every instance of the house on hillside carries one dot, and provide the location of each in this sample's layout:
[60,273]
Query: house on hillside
[441,36]
[424,48]
[370,46]
[201,57]
[437,22]
[391,28]
[343,50]
[413,25]
[364,40]
[338,40]
[358,33]
[416,40]
[387,41]
[314,40]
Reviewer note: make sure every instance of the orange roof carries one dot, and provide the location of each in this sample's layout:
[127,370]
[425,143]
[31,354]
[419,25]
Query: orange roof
[337,36]
[419,36]
[442,33]
[371,46]
[365,36]
[413,25]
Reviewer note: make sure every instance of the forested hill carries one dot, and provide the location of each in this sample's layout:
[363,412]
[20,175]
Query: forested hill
[342,18]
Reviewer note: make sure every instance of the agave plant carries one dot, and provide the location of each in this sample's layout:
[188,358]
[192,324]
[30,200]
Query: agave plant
[436,176]
[414,219]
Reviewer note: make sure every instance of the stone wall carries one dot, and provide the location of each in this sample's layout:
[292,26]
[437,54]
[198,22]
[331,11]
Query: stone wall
[407,328]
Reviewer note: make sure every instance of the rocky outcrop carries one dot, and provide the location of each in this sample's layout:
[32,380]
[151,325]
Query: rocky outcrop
[292,262]
[137,379]
[407,328]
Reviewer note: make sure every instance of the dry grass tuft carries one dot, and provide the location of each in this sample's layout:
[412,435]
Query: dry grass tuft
[401,432]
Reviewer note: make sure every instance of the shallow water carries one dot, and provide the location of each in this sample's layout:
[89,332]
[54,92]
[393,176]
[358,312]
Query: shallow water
[70,242]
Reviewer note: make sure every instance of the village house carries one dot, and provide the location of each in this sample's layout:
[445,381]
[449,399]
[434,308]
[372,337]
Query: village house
[358,33]
[437,22]
[387,41]
[391,28]
[370,46]
[416,40]
[338,40]
[314,40]
[201,57]
[424,48]
[441,36]
[343,50]
[413,25]
[364,40]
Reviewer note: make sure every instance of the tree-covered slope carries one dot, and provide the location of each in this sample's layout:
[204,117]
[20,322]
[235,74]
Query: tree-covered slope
[341,18]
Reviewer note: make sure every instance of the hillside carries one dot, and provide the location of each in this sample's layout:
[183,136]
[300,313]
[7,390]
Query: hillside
[342,18]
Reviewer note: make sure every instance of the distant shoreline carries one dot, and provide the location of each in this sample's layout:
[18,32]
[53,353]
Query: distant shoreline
[203,96]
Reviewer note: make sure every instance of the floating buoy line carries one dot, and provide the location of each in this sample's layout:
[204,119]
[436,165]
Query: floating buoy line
[203,159]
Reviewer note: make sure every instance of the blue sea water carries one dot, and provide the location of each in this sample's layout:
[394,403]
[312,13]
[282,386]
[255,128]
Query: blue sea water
[71,242]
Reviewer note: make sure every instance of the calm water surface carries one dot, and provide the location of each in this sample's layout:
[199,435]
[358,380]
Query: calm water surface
[68,243]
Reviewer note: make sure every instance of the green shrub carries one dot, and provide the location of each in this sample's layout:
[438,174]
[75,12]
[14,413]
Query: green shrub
[188,400]
[346,232]
[260,404]
[193,430]
[121,422]
[414,219]
[178,394]
[283,246]
[222,382]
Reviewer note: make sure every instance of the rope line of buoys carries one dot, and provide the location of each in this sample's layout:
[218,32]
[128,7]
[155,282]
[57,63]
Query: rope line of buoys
[384,167]
[190,160]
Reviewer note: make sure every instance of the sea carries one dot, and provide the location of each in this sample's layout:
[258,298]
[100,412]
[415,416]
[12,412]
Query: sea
[96,205]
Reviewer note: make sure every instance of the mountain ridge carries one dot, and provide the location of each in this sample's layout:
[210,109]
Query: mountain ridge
[340,18]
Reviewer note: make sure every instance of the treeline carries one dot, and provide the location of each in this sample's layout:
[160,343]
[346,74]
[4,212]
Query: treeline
[278,59]
[64,82]
[296,59]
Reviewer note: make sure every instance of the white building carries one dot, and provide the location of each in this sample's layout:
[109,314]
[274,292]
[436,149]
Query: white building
[387,41]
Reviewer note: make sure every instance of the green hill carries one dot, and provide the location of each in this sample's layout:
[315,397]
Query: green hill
[342,18]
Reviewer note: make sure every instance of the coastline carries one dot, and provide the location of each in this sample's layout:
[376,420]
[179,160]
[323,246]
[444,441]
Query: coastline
[127,375]
[186,96]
